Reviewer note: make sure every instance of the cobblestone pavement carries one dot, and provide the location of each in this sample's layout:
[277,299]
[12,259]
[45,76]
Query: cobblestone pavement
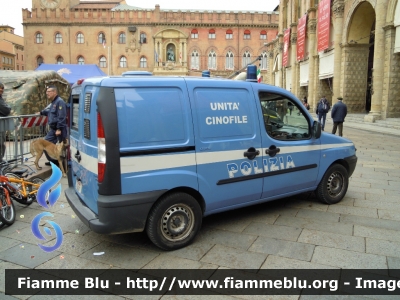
[297,232]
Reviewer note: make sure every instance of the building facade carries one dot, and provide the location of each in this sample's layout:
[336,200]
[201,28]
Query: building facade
[340,48]
[11,49]
[118,37]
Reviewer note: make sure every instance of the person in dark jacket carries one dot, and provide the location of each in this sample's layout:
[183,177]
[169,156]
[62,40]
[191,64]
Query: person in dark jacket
[5,110]
[56,112]
[339,112]
[322,109]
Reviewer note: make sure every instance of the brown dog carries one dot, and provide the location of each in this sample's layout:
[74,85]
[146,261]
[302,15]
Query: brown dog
[55,151]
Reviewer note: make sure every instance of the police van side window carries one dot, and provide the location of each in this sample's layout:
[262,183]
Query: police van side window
[75,112]
[283,119]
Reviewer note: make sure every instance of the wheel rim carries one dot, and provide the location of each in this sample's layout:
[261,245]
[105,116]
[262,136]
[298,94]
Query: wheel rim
[335,184]
[177,222]
[7,212]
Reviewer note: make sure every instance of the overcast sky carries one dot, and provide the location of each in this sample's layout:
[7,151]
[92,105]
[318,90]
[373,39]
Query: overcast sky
[11,13]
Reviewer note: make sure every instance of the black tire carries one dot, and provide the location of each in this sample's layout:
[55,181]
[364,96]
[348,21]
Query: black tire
[31,188]
[7,212]
[178,211]
[334,184]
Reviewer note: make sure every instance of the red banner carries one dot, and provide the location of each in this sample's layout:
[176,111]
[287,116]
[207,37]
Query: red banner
[286,39]
[324,24]
[301,37]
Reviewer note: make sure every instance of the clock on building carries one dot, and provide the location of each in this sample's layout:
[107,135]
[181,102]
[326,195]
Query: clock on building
[50,3]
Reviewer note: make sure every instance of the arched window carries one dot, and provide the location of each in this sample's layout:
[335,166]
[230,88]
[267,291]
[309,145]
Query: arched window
[194,34]
[246,59]
[143,38]
[229,34]
[211,34]
[122,62]
[60,60]
[212,60]
[263,35]
[229,60]
[103,62]
[80,38]
[101,39]
[122,38]
[246,35]
[264,61]
[194,62]
[143,62]
[39,38]
[81,60]
[58,38]
[39,60]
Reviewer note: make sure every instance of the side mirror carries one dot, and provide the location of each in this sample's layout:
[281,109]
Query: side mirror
[316,131]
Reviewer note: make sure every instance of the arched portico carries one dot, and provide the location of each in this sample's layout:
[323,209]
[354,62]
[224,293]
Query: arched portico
[358,55]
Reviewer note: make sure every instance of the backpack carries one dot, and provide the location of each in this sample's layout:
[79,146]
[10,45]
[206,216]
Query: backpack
[323,106]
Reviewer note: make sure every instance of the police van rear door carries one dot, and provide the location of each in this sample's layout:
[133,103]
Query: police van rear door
[228,142]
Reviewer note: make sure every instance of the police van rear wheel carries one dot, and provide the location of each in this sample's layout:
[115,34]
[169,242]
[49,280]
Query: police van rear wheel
[174,221]
[334,184]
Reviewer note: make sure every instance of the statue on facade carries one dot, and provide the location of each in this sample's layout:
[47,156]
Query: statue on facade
[170,54]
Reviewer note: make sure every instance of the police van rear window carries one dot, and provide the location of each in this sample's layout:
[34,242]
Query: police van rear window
[150,116]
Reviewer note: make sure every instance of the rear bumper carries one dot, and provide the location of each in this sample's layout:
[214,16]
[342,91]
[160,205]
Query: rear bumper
[352,162]
[117,214]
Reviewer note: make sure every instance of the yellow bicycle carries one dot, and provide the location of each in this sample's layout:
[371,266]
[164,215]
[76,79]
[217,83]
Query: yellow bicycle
[22,190]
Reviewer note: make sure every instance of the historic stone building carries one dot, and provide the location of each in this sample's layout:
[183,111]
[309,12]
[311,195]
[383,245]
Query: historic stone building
[11,49]
[119,37]
[360,60]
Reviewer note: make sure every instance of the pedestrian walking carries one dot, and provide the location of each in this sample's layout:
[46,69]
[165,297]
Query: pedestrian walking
[5,110]
[56,112]
[322,109]
[338,114]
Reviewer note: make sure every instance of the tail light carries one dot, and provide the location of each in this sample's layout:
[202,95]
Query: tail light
[101,149]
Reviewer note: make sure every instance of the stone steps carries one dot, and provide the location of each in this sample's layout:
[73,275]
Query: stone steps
[393,123]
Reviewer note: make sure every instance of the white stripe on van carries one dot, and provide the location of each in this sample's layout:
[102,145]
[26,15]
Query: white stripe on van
[156,162]
[147,163]
[296,149]
[87,162]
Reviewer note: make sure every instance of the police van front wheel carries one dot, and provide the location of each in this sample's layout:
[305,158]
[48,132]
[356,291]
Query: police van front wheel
[174,221]
[334,184]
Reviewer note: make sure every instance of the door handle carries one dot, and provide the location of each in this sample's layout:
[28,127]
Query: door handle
[78,156]
[272,150]
[251,153]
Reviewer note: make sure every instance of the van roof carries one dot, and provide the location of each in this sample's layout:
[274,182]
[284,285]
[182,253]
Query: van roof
[132,81]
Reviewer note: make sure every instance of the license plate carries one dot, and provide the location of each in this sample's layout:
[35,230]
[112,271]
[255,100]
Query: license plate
[79,186]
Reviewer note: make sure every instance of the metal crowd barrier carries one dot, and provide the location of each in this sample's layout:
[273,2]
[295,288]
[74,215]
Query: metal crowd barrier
[17,133]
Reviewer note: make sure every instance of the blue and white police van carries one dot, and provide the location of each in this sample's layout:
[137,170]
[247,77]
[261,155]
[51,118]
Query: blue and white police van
[157,154]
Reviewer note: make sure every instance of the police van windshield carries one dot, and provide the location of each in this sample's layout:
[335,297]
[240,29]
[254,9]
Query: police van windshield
[283,119]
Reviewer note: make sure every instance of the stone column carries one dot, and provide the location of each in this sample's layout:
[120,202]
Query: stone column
[379,59]
[315,83]
[312,76]
[338,10]
[280,52]
[271,68]
[391,86]
[185,54]
[293,59]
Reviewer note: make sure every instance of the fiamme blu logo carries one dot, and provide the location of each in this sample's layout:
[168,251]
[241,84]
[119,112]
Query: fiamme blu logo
[53,196]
